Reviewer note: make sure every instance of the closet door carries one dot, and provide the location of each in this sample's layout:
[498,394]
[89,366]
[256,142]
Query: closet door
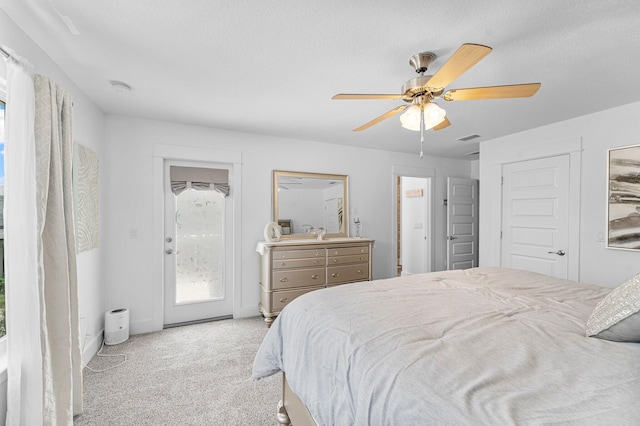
[535,215]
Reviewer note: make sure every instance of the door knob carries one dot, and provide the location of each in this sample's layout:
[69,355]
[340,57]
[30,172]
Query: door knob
[559,252]
[452,238]
[169,251]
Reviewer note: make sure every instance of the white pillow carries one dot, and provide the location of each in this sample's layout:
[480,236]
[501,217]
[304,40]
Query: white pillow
[617,316]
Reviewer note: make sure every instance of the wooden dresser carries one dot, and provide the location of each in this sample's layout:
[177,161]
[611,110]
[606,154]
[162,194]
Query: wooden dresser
[291,268]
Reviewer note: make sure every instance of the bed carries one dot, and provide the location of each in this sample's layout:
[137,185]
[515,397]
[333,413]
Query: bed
[480,346]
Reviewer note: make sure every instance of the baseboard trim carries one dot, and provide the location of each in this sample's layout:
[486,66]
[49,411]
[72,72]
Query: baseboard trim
[92,348]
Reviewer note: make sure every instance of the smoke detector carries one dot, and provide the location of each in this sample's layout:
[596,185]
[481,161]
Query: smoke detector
[120,86]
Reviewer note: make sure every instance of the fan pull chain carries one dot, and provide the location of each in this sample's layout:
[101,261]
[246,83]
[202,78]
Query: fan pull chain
[421,131]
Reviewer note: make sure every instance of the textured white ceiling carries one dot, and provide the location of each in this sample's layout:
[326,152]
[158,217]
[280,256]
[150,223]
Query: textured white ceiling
[271,67]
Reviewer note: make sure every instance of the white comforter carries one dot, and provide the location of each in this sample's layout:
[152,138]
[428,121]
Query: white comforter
[484,346]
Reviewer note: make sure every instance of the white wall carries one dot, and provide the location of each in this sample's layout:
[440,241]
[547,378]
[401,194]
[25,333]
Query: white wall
[475,169]
[598,132]
[88,130]
[128,163]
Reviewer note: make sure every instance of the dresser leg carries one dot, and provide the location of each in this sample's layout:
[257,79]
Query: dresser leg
[269,321]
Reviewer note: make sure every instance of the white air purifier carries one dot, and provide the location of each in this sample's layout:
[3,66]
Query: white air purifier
[116,326]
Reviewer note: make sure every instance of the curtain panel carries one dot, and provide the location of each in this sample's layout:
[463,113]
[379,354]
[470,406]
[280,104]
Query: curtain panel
[57,274]
[24,351]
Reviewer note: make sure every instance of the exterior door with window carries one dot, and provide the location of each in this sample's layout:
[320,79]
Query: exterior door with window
[198,225]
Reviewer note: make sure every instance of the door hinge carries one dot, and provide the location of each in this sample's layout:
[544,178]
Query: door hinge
[500,234]
[501,180]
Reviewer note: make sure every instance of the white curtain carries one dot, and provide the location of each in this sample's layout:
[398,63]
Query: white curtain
[45,370]
[24,400]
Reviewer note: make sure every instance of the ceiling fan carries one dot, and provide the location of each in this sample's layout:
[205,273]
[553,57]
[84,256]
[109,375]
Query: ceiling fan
[423,113]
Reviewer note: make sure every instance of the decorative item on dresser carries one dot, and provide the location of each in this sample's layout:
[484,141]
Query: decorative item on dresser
[291,268]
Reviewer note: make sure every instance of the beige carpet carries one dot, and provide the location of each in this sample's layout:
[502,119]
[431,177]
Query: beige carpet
[193,375]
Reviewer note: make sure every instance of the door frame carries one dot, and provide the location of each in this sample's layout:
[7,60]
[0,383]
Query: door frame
[162,153]
[429,174]
[491,198]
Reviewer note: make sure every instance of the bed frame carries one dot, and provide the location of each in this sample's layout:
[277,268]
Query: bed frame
[291,409]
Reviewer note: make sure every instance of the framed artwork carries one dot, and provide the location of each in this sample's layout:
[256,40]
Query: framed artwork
[86,198]
[623,207]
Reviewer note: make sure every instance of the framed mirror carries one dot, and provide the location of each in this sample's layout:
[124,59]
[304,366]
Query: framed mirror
[305,202]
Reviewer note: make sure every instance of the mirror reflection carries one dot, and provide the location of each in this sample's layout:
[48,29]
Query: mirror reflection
[306,204]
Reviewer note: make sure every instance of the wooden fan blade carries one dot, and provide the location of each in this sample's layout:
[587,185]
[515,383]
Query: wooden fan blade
[381,118]
[493,92]
[464,58]
[366,96]
[443,124]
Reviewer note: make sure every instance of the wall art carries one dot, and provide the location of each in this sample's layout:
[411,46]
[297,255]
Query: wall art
[623,210]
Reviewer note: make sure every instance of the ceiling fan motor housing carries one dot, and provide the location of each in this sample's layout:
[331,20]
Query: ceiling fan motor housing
[418,87]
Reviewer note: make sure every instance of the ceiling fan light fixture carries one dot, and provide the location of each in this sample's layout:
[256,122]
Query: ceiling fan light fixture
[410,119]
[433,115]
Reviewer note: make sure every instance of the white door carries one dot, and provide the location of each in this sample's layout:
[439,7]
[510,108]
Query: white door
[462,223]
[331,220]
[414,214]
[535,215]
[198,230]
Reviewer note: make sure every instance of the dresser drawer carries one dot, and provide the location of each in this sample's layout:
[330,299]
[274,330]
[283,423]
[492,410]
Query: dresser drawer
[343,260]
[344,274]
[297,254]
[299,278]
[297,263]
[280,299]
[345,251]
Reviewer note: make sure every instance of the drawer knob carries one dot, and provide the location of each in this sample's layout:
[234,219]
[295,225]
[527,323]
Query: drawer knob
[359,271]
[315,277]
[335,260]
[362,257]
[317,253]
[335,274]
[284,255]
[284,300]
[315,262]
[284,279]
[361,250]
[284,263]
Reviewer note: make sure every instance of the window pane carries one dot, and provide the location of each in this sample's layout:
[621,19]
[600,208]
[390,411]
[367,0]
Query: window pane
[3,329]
[200,246]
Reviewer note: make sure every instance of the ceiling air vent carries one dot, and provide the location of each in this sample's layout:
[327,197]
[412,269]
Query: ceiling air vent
[468,138]
[473,153]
